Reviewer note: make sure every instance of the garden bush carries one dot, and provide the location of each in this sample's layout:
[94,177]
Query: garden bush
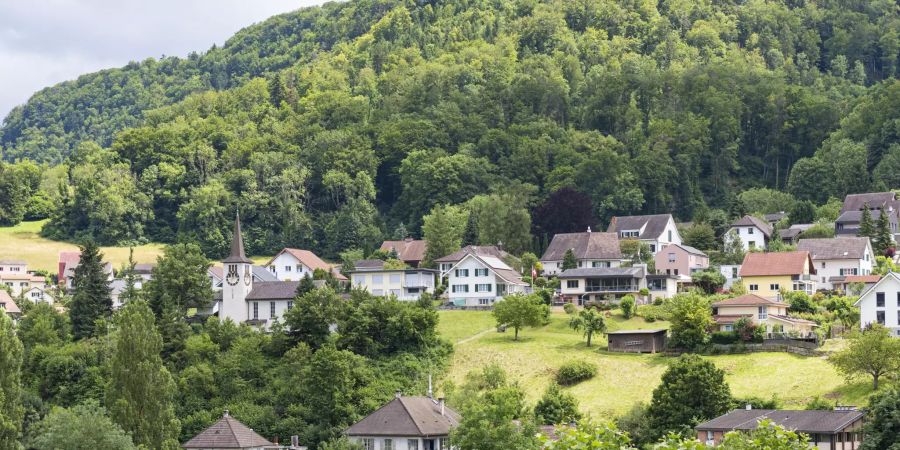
[569,308]
[724,337]
[574,372]
[628,306]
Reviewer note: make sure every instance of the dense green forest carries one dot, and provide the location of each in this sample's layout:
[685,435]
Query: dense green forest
[331,126]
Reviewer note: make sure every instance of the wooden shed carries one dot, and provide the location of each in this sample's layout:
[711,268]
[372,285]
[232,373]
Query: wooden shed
[637,341]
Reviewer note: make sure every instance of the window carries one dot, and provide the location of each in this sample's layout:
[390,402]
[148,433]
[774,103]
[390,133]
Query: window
[483,287]
[852,271]
[867,256]
[879,317]
[751,244]
[388,444]
[763,312]
[461,273]
[572,284]
[481,272]
[377,279]
[823,264]
[774,287]
[290,305]
[879,300]
[754,287]
[445,444]
[600,264]
[412,290]
[460,288]
[368,444]
[652,248]
[750,230]
[670,235]
[728,327]
[484,301]
[271,310]
[675,271]
[395,278]
[287,268]
[300,268]
[734,272]
[630,234]
[412,444]
[671,257]
[378,292]
[255,310]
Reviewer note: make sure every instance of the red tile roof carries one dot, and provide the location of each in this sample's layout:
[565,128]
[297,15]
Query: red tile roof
[309,259]
[776,263]
[409,250]
[862,278]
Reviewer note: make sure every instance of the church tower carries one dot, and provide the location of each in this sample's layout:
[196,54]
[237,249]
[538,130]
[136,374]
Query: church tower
[238,272]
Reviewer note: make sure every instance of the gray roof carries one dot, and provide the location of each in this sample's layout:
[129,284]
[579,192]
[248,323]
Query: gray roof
[749,220]
[659,330]
[143,268]
[237,244]
[480,250]
[636,272]
[775,217]
[802,421]
[368,264]
[228,432]
[12,262]
[273,290]
[586,245]
[262,274]
[690,249]
[655,224]
[835,248]
[876,200]
[856,216]
[407,416]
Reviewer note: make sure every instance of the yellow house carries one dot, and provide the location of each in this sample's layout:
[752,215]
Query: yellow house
[767,274]
[761,311]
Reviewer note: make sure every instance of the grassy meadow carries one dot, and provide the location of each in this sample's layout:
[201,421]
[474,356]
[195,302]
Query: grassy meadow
[625,379]
[24,242]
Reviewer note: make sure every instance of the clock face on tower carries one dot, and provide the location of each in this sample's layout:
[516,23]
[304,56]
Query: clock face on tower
[247,275]
[232,278]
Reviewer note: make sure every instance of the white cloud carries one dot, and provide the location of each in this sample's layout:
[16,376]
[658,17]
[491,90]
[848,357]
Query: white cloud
[46,42]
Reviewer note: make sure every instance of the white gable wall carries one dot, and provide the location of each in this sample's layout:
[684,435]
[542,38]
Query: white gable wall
[748,234]
[889,286]
[286,267]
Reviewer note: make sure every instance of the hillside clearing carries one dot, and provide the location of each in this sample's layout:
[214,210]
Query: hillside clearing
[625,379]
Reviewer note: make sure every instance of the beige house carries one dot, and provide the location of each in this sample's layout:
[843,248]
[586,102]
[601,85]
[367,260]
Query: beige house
[402,283]
[762,311]
[680,260]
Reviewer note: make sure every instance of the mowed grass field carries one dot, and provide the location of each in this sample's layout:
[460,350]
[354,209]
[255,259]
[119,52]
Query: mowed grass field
[625,379]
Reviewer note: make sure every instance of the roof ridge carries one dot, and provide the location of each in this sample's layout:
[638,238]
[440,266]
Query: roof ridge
[408,413]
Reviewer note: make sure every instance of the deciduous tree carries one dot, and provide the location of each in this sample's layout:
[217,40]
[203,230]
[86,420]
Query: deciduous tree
[871,352]
[692,390]
[519,311]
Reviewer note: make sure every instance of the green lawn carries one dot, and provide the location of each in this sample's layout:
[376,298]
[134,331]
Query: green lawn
[24,242]
[624,380]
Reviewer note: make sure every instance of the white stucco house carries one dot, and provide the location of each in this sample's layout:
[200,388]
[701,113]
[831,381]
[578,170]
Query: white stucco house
[404,284]
[591,249]
[656,230]
[837,258]
[881,304]
[406,423]
[752,231]
[480,280]
[292,264]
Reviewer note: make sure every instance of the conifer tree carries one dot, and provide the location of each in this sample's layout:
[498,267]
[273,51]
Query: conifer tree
[131,291]
[400,233]
[11,411]
[866,227]
[881,241]
[91,300]
[470,235]
[569,261]
[141,390]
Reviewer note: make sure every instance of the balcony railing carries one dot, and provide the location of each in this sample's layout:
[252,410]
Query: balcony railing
[617,288]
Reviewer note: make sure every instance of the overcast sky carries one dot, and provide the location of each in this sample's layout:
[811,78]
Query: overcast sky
[43,42]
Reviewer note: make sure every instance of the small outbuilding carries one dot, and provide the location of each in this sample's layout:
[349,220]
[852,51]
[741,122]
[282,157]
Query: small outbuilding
[637,341]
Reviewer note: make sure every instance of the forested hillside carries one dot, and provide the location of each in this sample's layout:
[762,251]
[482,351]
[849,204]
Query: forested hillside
[331,126]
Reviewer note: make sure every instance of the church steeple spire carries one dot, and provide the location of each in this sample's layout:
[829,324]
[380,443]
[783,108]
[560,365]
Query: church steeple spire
[237,244]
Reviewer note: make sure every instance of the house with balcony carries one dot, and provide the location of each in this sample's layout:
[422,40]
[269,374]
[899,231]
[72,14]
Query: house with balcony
[406,422]
[591,249]
[769,313]
[444,263]
[680,260]
[767,274]
[409,250]
[406,284]
[479,280]
[838,429]
[656,230]
[880,304]
[847,224]
[837,258]
[579,286]
[753,232]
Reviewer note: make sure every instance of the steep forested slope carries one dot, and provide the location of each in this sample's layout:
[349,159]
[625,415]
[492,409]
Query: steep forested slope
[369,113]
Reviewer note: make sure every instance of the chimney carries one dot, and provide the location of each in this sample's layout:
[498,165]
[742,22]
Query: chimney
[748,407]
[398,393]
[589,228]
[430,392]
[441,402]
[295,441]
[225,414]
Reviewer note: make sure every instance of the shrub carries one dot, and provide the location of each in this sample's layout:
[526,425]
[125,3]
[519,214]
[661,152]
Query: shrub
[628,307]
[724,337]
[748,332]
[658,301]
[569,308]
[574,372]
